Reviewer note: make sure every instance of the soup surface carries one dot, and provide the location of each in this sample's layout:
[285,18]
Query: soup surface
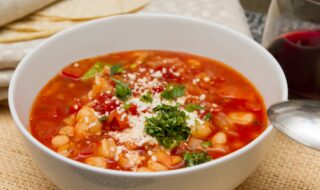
[147,111]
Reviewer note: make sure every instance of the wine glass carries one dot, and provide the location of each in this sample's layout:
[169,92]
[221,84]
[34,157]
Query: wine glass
[292,36]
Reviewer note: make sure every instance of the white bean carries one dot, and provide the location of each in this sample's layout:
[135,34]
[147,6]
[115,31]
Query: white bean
[219,138]
[242,118]
[96,161]
[201,131]
[59,140]
[64,150]
[155,166]
[67,130]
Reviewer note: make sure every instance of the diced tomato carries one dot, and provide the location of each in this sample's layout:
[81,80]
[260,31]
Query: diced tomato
[133,109]
[171,77]
[75,71]
[105,107]
[104,97]
[157,89]
[115,122]
[105,104]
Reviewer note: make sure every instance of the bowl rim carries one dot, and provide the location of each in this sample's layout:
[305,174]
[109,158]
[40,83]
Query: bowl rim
[53,154]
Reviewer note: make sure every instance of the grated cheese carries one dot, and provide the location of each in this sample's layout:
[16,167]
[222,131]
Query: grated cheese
[136,133]
[132,76]
[202,97]
[157,74]
[193,119]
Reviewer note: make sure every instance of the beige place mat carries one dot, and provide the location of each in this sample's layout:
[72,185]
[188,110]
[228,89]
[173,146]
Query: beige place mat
[287,165]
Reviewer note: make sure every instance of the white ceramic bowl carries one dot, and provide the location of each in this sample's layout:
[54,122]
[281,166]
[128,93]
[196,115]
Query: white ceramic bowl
[148,31]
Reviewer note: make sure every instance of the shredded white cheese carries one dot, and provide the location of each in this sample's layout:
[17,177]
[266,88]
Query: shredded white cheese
[202,97]
[132,76]
[135,133]
[193,119]
[157,74]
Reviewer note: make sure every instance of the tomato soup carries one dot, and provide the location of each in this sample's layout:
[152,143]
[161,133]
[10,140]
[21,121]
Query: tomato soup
[147,111]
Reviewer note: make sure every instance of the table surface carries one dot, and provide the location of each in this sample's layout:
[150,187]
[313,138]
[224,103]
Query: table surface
[287,165]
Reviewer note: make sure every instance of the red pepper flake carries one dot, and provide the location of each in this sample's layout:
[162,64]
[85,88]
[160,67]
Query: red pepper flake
[157,89]
[105,103]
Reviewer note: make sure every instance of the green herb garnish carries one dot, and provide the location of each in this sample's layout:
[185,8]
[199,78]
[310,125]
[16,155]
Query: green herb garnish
[102,118]
[208,117]
[127,106]
[115,69]
[193,107]
[96,68]
[122,89]
[146,98]
[169,127]
[195,158]
[206,144]
[172,92]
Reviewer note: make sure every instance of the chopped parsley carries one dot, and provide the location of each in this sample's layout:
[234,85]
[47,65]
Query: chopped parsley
[172,92]
[208,117]
[96,68]
[146,98]
[206,144]
[127,106]
[102,118]
[115,69]
[193,107]
[122,89]
[169,127]
[196,158]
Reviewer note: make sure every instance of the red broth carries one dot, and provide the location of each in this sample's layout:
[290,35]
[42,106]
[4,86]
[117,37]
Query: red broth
[147,111]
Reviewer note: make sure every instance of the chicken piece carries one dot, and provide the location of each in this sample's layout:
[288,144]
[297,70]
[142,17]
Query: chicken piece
[100,85]
[107,148]
[87,123]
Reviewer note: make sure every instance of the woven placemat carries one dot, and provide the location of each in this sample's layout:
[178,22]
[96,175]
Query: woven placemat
[287,165]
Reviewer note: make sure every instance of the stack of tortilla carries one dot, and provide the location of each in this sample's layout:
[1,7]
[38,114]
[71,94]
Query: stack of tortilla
[61,15]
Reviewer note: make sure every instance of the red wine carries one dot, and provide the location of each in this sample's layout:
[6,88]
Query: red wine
[299,56]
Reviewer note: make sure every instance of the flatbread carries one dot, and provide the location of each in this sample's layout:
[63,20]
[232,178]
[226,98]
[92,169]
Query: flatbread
[64,14]
[11,10]
[9,36]
[46,18]
[90,9]
[28,25]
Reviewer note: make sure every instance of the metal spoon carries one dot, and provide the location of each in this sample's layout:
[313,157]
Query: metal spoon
[298,119]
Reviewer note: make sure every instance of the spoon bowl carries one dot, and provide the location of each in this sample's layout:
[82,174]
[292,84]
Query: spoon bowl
[298,119]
